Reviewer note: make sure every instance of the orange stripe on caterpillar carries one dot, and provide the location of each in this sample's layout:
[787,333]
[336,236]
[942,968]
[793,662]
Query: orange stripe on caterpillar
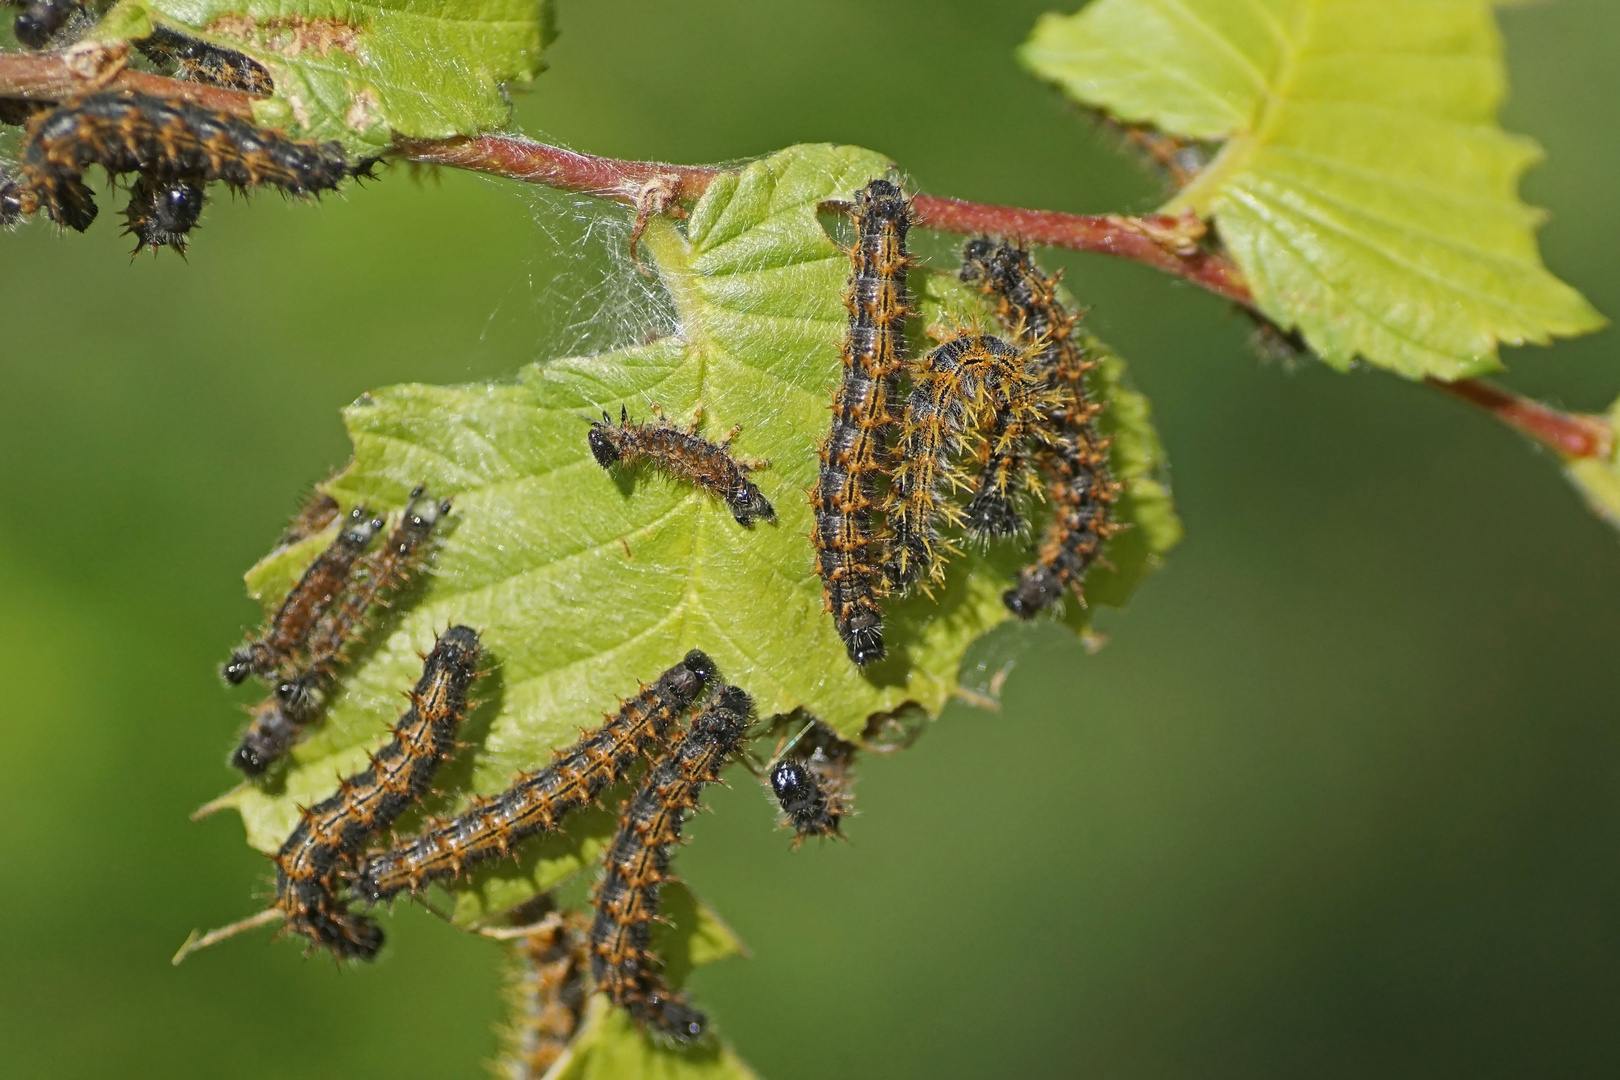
[539,802]
[849,554]
[195,60]
[329,834]
[685,455]
[547,990]
[960,386]
[321,584]
[637,864]
[304,680]
[1073,457]
[127,132]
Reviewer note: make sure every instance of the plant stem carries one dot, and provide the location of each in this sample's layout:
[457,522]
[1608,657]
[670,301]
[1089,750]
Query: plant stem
[1168,244]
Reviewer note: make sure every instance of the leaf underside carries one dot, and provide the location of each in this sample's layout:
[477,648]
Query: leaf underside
[1364,187]
[359,70]
[584,583]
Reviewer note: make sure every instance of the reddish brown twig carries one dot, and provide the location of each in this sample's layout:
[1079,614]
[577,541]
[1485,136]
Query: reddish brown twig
[1165,243]
[1573,435]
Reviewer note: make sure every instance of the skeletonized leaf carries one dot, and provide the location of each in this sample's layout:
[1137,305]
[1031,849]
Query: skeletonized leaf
[1364,186]
[358,70]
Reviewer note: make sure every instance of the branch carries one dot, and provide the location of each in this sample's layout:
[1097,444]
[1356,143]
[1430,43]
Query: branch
[1168,244]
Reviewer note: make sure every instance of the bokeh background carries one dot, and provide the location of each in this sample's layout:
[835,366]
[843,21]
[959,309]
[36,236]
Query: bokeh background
[1340,798]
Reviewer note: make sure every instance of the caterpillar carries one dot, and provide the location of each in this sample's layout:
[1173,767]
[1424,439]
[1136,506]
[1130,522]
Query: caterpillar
[297,696]
[547,990]
[1074,458]
[330,833]
[683,454]
[960,385]
[539,802]
[811,782]
[16,200]
[131,132]
[637,863]
[317,512]
[42,20]
[162,211]
[195,60]
[321,584]
[849,556]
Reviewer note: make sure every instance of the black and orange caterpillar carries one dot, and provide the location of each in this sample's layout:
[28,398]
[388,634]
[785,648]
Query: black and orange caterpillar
[1072,456]
[311,865]
[195,60]
[547,988]
[850,554]
[686,455]
[539,802]
[637,865]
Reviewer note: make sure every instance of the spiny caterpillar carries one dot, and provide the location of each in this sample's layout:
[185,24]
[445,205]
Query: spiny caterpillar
[961,385]
[548,988]
[130,132]
[317,512]
[1074,458]
[41,20]
[162,211]
[539,802]
[321,584]
[307,670]
[849,557]
[195,60]
[330,833]
[683,454]
[637,864]
[811,781]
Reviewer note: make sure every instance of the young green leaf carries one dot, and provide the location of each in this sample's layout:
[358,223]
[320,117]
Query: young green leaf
[360,70]
[1364,186]
[584,583]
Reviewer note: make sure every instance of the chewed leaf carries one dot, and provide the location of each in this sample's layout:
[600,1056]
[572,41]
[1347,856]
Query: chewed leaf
[359,70]
[1364,186]
[584,583]
[609,1046]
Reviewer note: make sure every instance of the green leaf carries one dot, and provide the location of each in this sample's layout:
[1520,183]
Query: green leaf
[360,70]
[609,1046]
[584,583]
[1364,186]
[1598,478]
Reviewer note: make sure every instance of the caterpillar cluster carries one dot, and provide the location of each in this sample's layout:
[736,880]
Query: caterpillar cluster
[308,639]
[312,863]
[1070,453]
[686,455]
[175,147]
[850,553]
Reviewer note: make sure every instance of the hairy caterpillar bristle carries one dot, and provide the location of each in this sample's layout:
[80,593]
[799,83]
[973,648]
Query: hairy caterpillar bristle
[195,60]
[962,385]
[130,132]
[637,864]
[548,983]
[850,555]
[312,863]
[684,454]
[304,677]
[1073,457]
[541,801]
[162,211]
[812,782]
[322,583]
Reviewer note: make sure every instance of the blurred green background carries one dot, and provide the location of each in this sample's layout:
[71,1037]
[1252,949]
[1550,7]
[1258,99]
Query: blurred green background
[1341,798]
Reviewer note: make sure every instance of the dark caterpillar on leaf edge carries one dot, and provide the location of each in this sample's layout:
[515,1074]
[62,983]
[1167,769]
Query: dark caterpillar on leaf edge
[850,556]
[686,455]
[310,865]
[812,783]
[637,864]
[539,802]
[195,60]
